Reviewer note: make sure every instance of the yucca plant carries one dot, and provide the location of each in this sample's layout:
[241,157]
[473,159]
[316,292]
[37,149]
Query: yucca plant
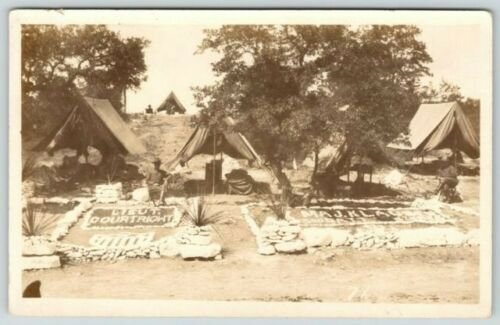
[36,221]
[197,211]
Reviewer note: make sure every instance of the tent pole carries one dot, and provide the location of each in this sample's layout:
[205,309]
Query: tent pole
[213,166]
[455,135]
[455,150]
[124,99]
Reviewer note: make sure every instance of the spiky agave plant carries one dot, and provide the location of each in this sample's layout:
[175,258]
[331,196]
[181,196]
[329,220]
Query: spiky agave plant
[197,211]
[36,222]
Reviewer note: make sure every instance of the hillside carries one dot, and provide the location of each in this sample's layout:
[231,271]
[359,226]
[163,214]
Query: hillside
[165,135]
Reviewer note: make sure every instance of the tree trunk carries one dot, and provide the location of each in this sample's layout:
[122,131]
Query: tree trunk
[283,180]
[316,165]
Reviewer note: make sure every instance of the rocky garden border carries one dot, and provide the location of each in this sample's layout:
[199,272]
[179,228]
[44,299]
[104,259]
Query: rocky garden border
[188,243]
[40,252]
[363,237]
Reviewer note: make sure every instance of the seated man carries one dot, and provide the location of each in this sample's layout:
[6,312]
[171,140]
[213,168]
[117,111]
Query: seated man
[448,175]
[157,181]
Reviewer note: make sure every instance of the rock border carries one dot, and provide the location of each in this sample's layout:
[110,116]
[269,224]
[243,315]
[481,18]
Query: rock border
[177,245]
[40,252]
[371,236]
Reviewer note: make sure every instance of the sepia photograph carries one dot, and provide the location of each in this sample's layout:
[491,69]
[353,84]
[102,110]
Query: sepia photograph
[250,163]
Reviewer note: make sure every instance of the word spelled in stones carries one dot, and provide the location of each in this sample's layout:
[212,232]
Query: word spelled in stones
[122,241]
[132,217]
[337,216]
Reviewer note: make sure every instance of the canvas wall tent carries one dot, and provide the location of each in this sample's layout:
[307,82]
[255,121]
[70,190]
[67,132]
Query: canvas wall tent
[438,126]
[337,161]
[209,141]
[93,122]
[171,105]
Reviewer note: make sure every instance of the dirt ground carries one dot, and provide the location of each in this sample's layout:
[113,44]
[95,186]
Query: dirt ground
[419,275]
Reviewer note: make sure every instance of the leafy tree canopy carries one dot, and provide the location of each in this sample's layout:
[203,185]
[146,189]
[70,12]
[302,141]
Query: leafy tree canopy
[92,59]
[296,88]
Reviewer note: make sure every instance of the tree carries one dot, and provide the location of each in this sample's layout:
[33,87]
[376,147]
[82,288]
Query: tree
[57,62]
[376,74]
[446,92]
[296,88]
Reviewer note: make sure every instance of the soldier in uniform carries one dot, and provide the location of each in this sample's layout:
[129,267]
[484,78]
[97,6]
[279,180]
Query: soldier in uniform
[157,182]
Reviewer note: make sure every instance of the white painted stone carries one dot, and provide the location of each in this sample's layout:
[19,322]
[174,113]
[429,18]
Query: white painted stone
[315,237]
[40,262]
[197,251]
[289,230]
[291,246]
[154,255]
[339,237]
[472,237]
[39,249]
[131,254]
[269,230]
[169,249]
[290,237]
[422,237]
[270,221]
[266,250]
[141,194]
[199,240]
[108,193]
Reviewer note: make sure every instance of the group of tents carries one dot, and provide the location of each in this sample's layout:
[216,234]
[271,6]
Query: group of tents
[94,122]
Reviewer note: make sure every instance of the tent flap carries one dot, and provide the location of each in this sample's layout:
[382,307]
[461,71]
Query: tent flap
[202,141]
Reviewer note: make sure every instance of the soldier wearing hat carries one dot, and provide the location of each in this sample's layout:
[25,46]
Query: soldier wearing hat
[447,174]
[157,181]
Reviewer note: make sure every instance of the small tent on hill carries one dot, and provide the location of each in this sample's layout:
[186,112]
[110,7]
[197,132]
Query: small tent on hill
[171,105]
[205,140]
[438,126]
[92,122]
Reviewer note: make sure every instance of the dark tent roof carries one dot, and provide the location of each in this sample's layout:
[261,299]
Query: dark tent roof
[201,141]
[438,126]
[93,122]
[337,161]
[172,105]
[343,159]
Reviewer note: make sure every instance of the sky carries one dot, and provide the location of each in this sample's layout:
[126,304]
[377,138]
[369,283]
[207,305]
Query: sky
[172,64]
